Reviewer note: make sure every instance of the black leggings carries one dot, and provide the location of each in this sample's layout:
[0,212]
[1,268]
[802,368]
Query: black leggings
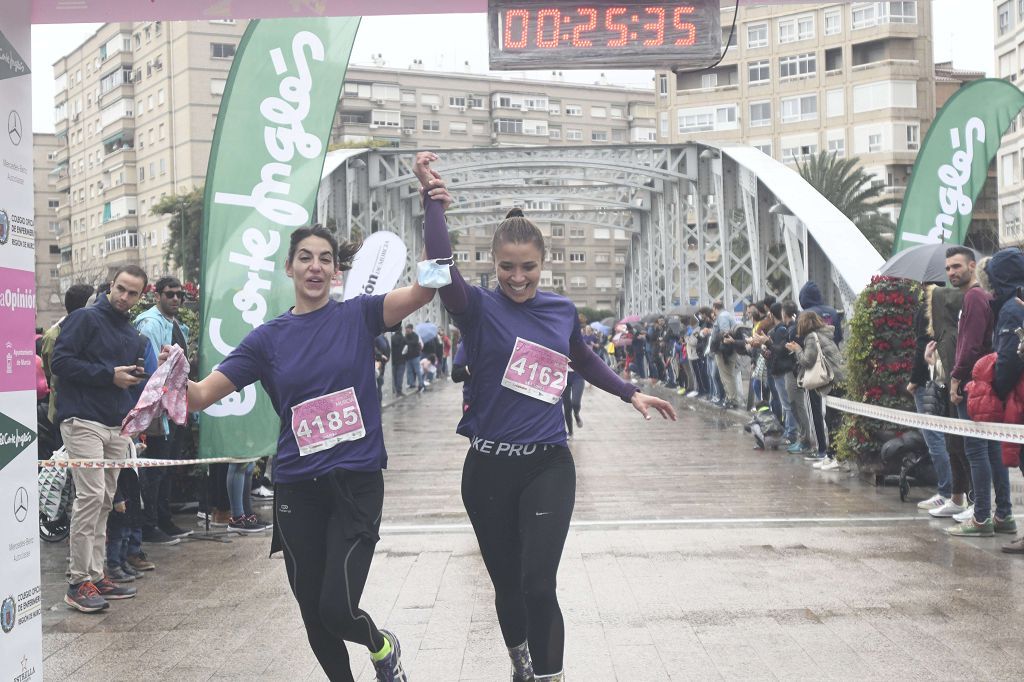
[520,508]
[327,528]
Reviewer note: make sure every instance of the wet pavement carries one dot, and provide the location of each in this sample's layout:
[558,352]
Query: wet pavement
[692,556]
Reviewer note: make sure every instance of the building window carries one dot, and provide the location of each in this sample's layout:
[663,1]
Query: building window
[598,112]
[805,27]
[508,125]
[804,108]
[696,123]
[837,146]
[222,50]
[913,137]
[381,118]
[456,102]
[555,133]
[216,88]
[578,282]
[602,257]
[1004,17]
[53,203]
[573,110]
[835,103]
[571,134]
[557,256]
[577,257]
[577,232]
[884,95]
[558,230]
[458,128]
[760,114]
[798,65]
[483,256]
[461,256]
[874,143]
[833,22]
[431,125]
[599,136]
[662,88]
[865,15]
[708,81]
[759,71]
[757,35]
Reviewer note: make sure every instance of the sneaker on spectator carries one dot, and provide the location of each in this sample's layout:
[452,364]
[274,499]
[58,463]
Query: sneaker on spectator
[175,531]
[820,462]
[117,574]
[108,590]
[831,464]
[253,519]
[814,456]
[389,668]
[263,492]
[242,524]
[1015,547]
[933,502]
[692,394]
[132,571]
[1007,525]
[155,536]
[85,597]
[140,563]
[973,528]
[965,515]
[949,509]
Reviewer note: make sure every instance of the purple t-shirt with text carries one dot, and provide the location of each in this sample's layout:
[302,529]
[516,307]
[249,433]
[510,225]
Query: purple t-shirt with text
[300,357]
[489,329]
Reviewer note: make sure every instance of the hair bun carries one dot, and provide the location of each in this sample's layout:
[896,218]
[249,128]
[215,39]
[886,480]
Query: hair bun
[515,213]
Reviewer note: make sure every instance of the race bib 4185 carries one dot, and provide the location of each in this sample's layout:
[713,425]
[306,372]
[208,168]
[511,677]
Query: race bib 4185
[321,423]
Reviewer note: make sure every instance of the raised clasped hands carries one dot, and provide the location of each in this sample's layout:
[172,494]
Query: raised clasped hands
[430,179]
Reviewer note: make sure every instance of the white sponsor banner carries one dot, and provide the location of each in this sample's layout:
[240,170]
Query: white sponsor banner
[377,266]
[20,597]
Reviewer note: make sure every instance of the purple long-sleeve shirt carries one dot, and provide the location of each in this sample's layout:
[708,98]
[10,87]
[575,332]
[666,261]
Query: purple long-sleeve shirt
[974,333]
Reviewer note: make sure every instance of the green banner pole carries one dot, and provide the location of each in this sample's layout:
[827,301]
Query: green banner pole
[265,164]
[952,166]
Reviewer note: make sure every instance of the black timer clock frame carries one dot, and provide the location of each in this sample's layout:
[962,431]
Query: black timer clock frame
[534,34]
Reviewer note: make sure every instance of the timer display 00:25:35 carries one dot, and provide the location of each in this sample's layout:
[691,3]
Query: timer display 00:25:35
[650,25]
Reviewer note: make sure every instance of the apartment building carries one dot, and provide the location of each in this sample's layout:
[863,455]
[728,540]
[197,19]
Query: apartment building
[135,110]
[1009,64]
[853,78]
[415,108]
[47,201]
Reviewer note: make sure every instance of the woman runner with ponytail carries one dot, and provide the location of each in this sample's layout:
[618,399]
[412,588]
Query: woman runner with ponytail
[519,480]
[316,363]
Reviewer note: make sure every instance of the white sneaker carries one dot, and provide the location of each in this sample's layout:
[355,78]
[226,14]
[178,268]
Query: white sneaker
[822,463]
[832,464]
[947,510]
[691,394]
[263,492]
[933,502]
[964,515]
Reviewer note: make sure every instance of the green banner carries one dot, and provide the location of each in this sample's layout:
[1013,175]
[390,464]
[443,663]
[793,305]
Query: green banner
[268,152]
[952,166]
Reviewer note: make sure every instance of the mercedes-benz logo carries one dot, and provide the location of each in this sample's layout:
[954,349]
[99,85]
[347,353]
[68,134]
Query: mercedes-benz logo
[14,127]
[21,504]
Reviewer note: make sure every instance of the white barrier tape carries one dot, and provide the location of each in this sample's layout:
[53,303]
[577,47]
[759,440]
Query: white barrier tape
[140,462]
[1006,433]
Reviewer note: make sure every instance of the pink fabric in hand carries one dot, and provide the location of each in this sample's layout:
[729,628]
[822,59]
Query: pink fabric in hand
[164,392]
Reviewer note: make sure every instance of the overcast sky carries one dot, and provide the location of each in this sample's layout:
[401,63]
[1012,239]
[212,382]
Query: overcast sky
[963,33]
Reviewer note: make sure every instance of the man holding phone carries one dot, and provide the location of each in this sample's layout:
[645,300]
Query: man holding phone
[96,359]
[160,324]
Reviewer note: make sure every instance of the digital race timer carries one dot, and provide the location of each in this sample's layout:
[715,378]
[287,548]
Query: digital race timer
[535,34]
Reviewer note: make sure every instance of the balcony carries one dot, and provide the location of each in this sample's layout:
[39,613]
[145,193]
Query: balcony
[121,223]
[909,68]
[124,124]
[125,90]
[61,178]
[110,192]
[117,157]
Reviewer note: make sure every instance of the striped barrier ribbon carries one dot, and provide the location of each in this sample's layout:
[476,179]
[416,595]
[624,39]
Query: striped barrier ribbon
[1006,433]
[140,462]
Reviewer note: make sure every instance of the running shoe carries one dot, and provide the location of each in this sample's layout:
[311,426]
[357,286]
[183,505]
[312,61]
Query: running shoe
[155,536]
[85,597]
[821,462]
[131,570]
[1015,547]
[949,509]
[814,457]
[972,528]
[245,524]
[833,464]
[692,394]
[389,668]
[1007,525]
[579,421]
[108,590]
[174,530]
[263,492]
[965,515]
[253,519]
[797,449]
[522,664]
[118,574]
[934,502]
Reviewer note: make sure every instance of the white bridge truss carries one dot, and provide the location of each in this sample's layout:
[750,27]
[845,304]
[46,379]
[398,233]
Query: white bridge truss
[704,222]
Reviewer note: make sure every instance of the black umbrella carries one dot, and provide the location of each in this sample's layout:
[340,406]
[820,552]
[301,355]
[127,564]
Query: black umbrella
[924,263]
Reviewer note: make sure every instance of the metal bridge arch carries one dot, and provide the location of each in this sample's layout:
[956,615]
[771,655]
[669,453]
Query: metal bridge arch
[704,222]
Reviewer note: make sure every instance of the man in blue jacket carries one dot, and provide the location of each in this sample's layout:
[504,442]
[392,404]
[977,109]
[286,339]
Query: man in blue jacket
[160,324]
[98,356]
[812,300]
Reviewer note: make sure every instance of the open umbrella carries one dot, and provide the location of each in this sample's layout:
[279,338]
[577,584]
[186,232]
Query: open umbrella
[427,331]
[600,328]
[608,321]
[924,263]
[630,319]
[650,319]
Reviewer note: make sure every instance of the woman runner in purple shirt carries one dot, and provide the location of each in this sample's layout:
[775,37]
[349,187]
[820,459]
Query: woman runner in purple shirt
[316,364]
[519,480]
